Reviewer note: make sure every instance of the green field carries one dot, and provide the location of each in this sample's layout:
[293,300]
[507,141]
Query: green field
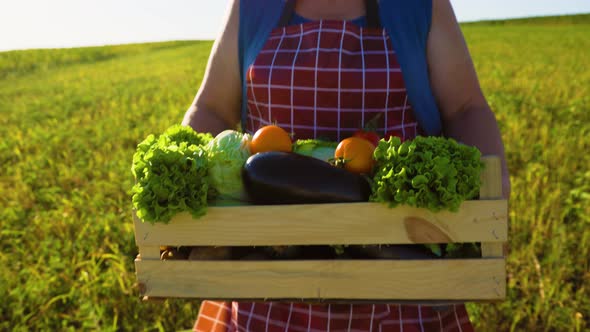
[70,120]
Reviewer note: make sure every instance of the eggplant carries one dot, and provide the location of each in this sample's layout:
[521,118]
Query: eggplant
[289,178]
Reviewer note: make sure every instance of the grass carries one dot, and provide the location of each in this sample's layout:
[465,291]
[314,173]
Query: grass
[536,21]
[70,121]
[537,80]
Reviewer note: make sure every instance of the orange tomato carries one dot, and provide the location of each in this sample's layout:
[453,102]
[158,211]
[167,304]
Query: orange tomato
[271,138]
[356,154]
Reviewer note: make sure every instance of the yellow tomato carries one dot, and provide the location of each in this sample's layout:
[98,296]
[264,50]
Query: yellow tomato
[271,138]
[356,154]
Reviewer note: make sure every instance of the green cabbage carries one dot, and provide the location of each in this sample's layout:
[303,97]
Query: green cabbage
[427,172]
[228,153]
[323,150]
[171,174]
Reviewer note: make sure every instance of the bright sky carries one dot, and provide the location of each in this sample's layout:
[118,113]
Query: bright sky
[69,23]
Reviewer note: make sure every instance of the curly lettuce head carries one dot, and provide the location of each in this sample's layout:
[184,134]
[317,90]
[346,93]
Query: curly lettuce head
[228,153]
[177,134]
[429,172]
[173,136]
[174,180]
[171,174]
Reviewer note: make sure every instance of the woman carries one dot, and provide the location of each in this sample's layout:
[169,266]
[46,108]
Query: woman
[322,68]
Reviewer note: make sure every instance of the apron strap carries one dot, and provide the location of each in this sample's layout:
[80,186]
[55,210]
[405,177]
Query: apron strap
[287,14]
[372,14]
[371,10]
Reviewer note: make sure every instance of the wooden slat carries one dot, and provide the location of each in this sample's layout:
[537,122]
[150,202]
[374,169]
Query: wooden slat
[149,252]
[492,189]
[146,250]
[468,279]
[489,250]
[491,177]
[317,224]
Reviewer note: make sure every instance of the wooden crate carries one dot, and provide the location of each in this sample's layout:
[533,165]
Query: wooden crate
[446,280]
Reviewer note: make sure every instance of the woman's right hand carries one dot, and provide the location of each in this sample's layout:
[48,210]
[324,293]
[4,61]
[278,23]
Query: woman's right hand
[217,105]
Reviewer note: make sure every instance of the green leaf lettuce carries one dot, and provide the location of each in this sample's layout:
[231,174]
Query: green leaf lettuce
[427,172]
[171,174]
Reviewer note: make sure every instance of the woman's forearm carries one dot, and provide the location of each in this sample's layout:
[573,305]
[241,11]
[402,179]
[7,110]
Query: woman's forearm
[204,120]
[477,126]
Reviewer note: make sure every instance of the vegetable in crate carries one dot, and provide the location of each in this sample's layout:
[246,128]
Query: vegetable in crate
[271,138]
[177,134]
[174,135]
[171,175]
[322,150]
[355,154]
[369,131]
[367,135]
[289,178]
[427,172]
[228,153]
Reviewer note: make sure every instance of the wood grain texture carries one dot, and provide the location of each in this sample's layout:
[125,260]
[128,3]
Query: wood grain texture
[324,224]
[491,188]
[469,279]
[149,252]
[146,250]
[491,177]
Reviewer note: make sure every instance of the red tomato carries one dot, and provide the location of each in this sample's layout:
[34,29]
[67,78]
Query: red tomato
[370,136]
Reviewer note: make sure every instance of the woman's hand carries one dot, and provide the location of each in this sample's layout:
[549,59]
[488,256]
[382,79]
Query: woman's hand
[217,105]
[465,113]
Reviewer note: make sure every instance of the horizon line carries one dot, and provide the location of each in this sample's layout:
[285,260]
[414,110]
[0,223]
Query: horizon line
[149,41]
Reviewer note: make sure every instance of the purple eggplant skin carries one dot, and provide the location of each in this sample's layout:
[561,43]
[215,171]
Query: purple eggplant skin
[288,178]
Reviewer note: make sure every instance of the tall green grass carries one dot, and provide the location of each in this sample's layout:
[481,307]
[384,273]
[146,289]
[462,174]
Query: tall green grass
[68,133]
[537,79]
[70,121]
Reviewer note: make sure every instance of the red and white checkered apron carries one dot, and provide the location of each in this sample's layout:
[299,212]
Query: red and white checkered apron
[326,79]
